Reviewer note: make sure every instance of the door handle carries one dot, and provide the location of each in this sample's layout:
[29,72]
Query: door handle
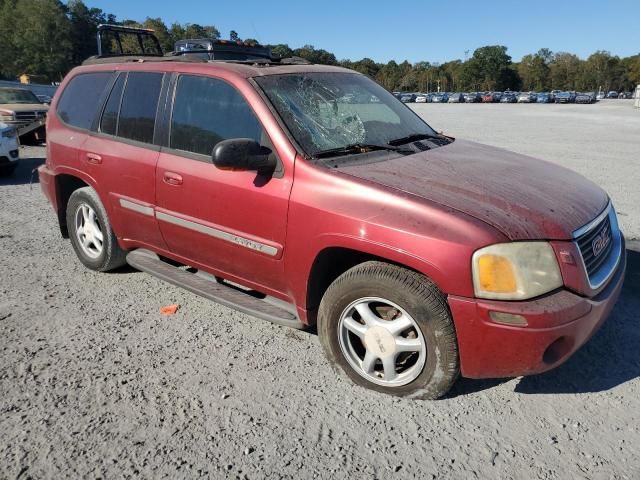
[172,178]
[94,158]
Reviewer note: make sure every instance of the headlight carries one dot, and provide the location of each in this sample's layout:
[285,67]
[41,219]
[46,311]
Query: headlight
[10,133]
[515,271]
[7,115]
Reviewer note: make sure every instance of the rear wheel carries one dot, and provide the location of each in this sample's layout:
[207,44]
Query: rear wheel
[389,329]
[90,232]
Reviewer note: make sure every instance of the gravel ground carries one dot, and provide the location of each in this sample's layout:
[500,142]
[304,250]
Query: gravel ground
[94,382]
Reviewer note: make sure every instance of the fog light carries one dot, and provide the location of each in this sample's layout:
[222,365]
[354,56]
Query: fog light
[13,153]
[508,318]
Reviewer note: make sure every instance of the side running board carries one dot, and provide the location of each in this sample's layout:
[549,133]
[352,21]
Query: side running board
[220,291]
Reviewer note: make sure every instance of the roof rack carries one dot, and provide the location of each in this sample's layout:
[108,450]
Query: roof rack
[144,39]
[198,50]
[216,49]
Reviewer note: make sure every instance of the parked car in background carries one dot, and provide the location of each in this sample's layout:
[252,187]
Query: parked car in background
[625,95]
[544,97]
[9,152]
[408,97]
[422,98]
[612,94]
[490,97]
[44,99]
[527,97]
[440,98]
[601,96]
[456,98]
[509,97]
[473,97]
[566,97]
[588,97]
[21,109]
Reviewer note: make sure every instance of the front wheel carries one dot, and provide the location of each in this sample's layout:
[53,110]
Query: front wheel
[389,329]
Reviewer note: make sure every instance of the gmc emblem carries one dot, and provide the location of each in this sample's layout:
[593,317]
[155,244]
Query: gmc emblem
[600,242]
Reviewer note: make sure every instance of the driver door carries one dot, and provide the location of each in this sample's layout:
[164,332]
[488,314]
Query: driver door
[232,222]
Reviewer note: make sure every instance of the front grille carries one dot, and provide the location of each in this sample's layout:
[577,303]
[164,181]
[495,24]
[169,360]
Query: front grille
[595,246]
[25,115]
[30,116]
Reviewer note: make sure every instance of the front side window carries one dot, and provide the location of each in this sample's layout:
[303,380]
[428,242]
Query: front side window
[329,111]
[208,110]
[139,104]
[81,98]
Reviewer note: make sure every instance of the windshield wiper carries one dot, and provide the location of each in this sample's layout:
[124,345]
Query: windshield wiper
[413,138]
[359,148]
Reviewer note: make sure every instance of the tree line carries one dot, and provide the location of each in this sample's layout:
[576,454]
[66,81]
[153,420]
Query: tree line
[46,38]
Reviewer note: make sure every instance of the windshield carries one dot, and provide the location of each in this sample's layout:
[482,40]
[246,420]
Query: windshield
[17,95]
[326,111]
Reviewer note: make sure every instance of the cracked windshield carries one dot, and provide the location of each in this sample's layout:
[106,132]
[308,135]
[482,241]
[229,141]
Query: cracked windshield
[338,113]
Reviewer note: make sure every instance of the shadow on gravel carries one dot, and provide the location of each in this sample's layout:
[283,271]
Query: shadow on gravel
[609,359]
[22,174]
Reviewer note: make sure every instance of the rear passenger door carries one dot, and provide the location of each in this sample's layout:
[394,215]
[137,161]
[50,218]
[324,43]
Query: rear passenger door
[123,154]
[77,108]
[231,221]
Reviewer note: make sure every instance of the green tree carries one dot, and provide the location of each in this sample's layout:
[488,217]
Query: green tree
[631,67]
[601,70]
[36,39]
[314,55]
[281,50]
[389,75]
[489,68]
[161,31]
[366,66]
[84,26]
[193,30]
[564,71]
[534,70]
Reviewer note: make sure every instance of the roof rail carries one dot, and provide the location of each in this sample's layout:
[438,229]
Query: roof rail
[144,38]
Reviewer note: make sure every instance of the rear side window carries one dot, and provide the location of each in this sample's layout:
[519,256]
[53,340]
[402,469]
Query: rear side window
[109,122]
[207,111]
[81,98]
[139,104]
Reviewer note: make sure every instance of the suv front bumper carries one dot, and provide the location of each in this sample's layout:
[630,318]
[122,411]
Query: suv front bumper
[557,326]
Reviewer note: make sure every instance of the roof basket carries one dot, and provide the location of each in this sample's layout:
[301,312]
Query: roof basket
[116,40]
[216,49]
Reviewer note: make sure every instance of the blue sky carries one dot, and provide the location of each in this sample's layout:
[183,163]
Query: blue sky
[411,30]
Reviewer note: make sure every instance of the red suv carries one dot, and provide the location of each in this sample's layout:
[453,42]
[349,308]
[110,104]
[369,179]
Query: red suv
[309,195]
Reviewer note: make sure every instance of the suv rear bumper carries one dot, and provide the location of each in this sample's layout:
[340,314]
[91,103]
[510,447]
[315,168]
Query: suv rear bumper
[558,325]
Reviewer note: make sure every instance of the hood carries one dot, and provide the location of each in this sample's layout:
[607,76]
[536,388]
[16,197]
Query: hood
[523,197]
[24,107]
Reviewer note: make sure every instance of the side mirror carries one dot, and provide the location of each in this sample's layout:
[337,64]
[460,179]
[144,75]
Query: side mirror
[243,154]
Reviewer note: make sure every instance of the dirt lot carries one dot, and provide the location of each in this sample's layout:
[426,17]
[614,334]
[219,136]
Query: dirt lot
[94,382]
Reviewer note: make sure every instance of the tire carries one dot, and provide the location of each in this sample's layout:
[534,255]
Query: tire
[428,371]
[100,255]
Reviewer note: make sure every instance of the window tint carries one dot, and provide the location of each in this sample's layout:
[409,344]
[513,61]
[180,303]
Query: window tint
[207,111]
[109,122]
[81,98]
[139,104]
